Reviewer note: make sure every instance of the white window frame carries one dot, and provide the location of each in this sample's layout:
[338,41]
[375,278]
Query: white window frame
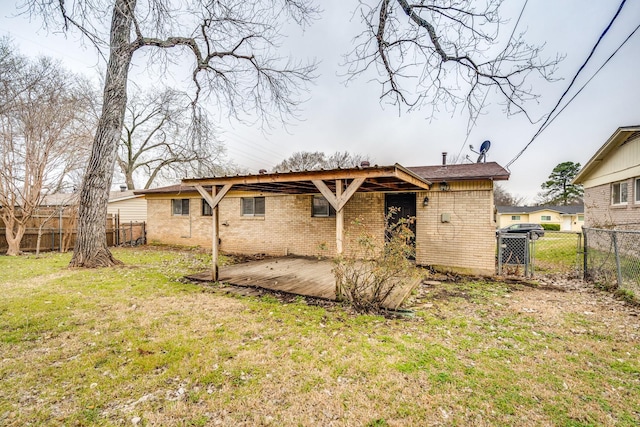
[180,207]
[545,218]
[515,217]
[625,193]
[248,206]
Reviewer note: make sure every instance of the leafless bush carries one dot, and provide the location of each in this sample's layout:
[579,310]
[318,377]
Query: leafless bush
[368,277]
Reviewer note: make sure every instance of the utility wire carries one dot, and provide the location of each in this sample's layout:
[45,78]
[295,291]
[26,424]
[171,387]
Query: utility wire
[573,80]
[472,120]
[591,78]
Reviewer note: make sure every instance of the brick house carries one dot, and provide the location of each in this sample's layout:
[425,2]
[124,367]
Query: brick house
[310,213]
[611,180]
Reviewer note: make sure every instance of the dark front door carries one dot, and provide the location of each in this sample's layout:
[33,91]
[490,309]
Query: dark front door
[405,207]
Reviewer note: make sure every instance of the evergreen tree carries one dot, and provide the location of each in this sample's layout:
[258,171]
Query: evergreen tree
[558,189]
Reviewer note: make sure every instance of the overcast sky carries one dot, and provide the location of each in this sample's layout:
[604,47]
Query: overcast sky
[338,117]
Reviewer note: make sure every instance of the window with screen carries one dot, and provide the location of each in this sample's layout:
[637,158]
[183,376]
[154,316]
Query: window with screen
[322,208]
[619,193]
[206,208]
[180,207]
[515,217]
[252,206]
[545,217]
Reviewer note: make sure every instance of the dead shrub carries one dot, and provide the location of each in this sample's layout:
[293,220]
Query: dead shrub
[368,277]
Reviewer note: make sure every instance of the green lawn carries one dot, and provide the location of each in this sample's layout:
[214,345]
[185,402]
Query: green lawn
[558,252]
[137,345]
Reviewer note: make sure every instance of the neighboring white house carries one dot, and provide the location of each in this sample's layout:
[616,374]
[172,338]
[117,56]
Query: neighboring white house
[128,206]
[569,218]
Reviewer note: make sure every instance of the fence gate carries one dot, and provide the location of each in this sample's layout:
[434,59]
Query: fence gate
[515,254]
[554,253]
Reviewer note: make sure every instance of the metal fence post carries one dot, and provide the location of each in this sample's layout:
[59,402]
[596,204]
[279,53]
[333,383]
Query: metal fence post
[585,255]
[499,239]
[530,256]
[617,255]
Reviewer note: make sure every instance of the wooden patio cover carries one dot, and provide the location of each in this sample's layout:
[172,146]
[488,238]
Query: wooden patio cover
[336,185]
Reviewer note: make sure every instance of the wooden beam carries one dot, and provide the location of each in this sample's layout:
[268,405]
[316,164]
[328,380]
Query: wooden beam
[213,201]
[396,177]
[372,172]
[327,193]
[411,178]
[339,219]
[351,190]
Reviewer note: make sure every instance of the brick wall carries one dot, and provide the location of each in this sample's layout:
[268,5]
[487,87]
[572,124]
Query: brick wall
[466,243]
[599,212]
[286,228]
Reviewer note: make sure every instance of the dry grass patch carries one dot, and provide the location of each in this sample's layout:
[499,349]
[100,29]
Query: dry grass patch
[136,344]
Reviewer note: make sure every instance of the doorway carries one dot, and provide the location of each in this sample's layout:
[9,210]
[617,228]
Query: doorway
[405,205]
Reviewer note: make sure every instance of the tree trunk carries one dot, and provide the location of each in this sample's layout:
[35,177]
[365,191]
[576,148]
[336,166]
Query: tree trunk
[14,234]
[129,181]
[91,245]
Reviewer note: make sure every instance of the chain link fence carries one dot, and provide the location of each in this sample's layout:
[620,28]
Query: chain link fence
[559,252]
[514,255]
[612,258]
[556,252]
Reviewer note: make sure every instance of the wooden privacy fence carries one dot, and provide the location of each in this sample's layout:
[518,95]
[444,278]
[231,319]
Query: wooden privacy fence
[61,236]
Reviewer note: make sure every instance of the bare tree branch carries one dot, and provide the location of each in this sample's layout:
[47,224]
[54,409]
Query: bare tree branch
[443,54]
[43,136]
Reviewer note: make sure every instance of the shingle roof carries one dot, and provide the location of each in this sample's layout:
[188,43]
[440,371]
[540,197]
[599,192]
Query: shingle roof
[462,172]
[59,199]
[176,188]
[122,195]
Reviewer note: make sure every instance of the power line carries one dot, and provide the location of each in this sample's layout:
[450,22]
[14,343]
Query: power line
[592,77]
[473,121]
[573,80]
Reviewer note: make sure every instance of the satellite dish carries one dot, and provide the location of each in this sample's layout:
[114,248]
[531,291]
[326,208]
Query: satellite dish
[483,151]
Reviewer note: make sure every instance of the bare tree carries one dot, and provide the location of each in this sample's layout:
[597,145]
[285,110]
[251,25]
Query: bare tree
[501,197]
[164,137]
[42,134]
[443,54]
[232,57]
[344,159]
[308,160]
[302,161]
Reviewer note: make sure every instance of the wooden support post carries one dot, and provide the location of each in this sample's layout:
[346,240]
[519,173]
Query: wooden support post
[339,233]
[339,219]
[215,237]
